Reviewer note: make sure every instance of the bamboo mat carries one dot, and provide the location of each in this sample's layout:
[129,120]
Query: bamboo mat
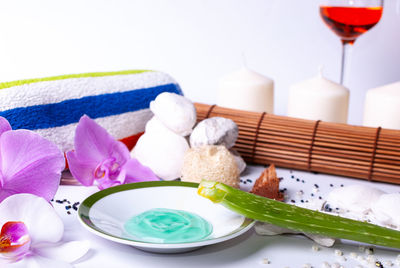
[353,151]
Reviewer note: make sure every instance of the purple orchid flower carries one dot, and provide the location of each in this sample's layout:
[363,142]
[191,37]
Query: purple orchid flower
[99,157]
[28,163]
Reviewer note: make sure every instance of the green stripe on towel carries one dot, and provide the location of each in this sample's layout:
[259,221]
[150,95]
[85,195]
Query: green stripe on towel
[67,76]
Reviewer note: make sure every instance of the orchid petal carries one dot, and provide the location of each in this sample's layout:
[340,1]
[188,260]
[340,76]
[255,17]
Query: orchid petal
[93,142]
[43,223]
[41,262]
[29,164]
[96,152]
[13,264]
[68,252]
[119,152]
[1,180]
[82,171]
[136,172]
[107,183]
[14,240]
[4,125]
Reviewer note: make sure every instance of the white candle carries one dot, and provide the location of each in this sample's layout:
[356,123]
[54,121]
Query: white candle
[382,107]
[319,99]
[246,90]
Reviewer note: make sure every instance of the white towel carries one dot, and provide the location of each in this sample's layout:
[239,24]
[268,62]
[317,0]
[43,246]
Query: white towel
[118,101]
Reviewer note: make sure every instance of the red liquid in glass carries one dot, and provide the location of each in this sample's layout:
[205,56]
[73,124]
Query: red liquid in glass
[350,22]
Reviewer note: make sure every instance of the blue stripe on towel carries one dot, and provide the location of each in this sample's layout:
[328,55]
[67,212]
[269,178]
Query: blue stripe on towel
[70,111]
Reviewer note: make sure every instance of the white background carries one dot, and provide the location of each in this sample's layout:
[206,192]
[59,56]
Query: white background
[196,41]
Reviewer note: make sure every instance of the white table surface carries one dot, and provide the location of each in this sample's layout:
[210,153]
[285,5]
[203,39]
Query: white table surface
[247,250]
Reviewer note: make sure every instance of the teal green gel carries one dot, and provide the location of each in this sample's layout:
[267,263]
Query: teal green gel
[169,226]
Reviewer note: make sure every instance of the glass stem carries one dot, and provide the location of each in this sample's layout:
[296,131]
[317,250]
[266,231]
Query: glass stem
[346,44]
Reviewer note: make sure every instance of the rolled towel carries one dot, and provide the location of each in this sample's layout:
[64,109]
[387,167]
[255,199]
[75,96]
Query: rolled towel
[52,106]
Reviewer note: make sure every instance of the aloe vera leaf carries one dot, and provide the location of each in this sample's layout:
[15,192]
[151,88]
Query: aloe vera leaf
[297,218]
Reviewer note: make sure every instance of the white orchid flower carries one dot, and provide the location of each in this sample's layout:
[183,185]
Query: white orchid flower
[31,233]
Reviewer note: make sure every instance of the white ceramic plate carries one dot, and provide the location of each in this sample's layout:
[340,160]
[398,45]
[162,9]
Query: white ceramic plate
[105,213]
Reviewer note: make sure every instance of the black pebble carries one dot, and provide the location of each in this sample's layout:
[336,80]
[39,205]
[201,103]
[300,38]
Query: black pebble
[292,201]
[75,205]
[67,207]
[327,208]
[297,179]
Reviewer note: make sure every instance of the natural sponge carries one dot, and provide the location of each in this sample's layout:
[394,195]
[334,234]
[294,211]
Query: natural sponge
[210,162]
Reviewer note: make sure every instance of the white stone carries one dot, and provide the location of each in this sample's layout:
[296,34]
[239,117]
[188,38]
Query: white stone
[354,198]
[161,150]
[338,252]
[215,131]
[386,209]
[154,125]
[371,259]
[353,255]
[315,248]
[176,112]
[369,251]
[325,265]
[321,240]
[263,228]
[239,160]
[388,263]
[266,261]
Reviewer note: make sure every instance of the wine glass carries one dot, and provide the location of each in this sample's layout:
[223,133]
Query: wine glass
[349,19]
